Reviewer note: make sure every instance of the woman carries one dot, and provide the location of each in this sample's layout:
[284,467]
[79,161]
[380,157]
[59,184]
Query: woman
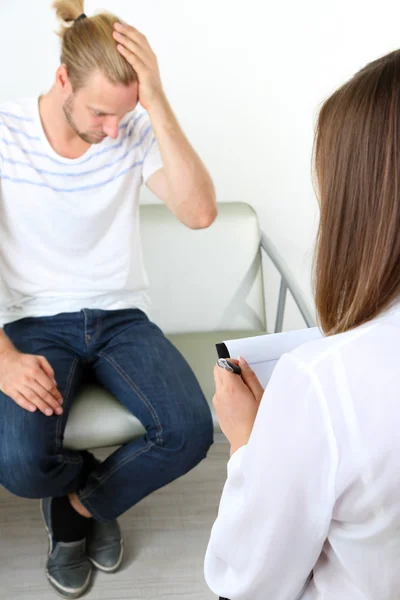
[311,505]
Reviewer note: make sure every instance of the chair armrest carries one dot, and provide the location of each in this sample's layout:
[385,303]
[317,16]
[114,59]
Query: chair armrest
[287,283]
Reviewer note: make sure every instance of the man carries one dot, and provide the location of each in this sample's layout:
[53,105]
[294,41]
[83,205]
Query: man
[73,289]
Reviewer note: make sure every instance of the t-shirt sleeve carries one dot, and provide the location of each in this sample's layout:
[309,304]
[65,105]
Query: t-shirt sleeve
[277,502]
[149,151]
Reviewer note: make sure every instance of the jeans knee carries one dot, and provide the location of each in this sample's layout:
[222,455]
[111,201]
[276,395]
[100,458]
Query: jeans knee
[200,432]
[204,433]
[197,444]
[189,442]
[30,476]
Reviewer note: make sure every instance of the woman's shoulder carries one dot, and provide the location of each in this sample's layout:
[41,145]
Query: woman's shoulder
[322,349]
[380,335]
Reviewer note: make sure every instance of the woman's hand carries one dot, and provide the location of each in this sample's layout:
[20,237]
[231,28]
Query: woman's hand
[236,402]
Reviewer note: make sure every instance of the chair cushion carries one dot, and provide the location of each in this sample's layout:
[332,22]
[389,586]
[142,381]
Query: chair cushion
[98,420]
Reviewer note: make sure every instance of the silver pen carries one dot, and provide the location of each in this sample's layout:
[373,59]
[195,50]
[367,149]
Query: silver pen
[229,366]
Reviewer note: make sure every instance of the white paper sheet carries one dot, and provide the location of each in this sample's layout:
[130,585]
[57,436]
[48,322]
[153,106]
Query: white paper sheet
[263,352]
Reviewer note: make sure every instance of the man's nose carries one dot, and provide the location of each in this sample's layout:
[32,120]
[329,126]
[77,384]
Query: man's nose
[111,128]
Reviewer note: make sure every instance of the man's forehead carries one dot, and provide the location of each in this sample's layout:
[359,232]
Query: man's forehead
[108,110]
[109,97]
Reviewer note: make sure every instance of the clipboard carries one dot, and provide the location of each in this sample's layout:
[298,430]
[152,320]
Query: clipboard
[262,352]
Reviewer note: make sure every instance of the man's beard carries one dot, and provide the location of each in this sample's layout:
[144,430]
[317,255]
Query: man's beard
[86,137]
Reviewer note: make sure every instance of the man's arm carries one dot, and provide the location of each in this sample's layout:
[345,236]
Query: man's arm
[183,183]
[26,379]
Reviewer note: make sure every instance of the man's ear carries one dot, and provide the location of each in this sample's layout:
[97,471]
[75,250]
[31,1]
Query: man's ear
[63,82]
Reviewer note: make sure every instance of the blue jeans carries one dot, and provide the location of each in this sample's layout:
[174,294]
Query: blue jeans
[130,356]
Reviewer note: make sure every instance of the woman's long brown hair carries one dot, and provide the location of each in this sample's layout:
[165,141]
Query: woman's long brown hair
[357,167]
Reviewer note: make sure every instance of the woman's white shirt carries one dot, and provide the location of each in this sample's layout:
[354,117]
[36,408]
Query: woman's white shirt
[311,505]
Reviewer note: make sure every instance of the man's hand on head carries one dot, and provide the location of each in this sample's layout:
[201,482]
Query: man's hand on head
[135,48]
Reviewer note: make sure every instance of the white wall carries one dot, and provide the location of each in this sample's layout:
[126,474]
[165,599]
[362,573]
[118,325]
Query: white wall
[245,79]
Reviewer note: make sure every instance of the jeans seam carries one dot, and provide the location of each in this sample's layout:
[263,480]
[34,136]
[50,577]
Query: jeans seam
[83,495]
[99,325]
[135,389]
[85,326]
[66,398]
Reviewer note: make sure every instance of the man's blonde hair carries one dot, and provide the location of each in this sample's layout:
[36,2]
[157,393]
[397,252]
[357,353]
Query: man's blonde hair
[88,45]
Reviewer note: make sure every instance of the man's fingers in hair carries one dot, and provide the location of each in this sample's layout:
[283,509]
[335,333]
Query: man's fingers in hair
[133,47]
[133,60]
[131,33]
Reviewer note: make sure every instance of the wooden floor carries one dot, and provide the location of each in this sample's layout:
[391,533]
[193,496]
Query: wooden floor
[165,540]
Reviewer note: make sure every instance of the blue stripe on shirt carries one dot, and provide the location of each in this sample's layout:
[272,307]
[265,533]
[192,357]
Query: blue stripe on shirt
[7,114]
[74,164]
[85,188]
[83,173]
[35,138]
[153,141]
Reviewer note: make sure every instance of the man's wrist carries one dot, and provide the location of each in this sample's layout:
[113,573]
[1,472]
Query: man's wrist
[160,113]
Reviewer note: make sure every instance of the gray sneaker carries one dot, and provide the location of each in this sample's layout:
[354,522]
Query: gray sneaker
[68,568]
[105,546]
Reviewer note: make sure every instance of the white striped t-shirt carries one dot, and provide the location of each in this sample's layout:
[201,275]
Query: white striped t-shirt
[69,228]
